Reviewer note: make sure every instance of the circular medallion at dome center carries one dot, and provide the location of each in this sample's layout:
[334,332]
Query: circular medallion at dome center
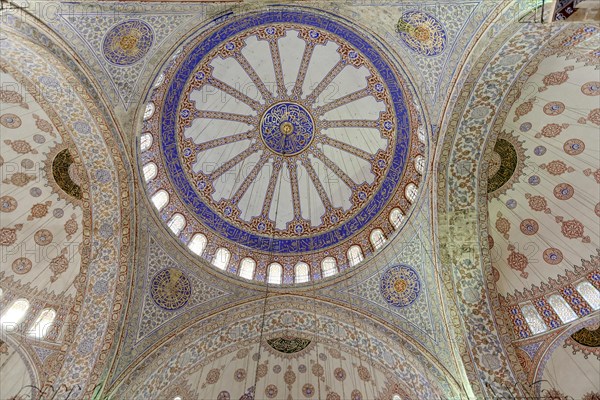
[287,128]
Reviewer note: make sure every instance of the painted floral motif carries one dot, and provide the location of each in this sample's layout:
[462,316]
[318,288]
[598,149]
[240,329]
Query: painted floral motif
[563,191]
[332,396]
[13,97]
[213,376]
[224,395]
[591,88]
[21,265]
[8,236]
[58,265]
[356,395]
[43,237]
[537,203]
[524,109]
[308,390]
[555,78]
[552,256]
[554,108]
[339,374]
[71,226]
[517,261]
[502,226]
[556,167]
[127,42]
[574,147]
[551,130]
[289,377]
[239,375]
[44,125]
[363,373]
[594,116]
[529,227]
[21,146]
[20,179]
[8,204]
[572,229]
[11,121]
[271,391]
[39,210]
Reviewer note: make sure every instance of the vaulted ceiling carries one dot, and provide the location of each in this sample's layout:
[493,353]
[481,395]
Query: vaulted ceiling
[360,201]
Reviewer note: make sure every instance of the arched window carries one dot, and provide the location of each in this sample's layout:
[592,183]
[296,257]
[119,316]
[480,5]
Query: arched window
[561,308]
[377,238]
[160,199]
[43,323]
[590,294]
[150,171]
[149,111]
[221,259]
[411,192]
[159,80]
[421,133]
[355,255]
[329,266]
[420,164]
[145,141]
[15,314]
[247,268]
[197,244]
[396,397]
[176,224]
[396,217]
[274,274]
[301,270]
[535,322]
[1,292]
[177,398]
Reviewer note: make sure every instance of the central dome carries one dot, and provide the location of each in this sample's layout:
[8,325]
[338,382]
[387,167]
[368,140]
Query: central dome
[284,136]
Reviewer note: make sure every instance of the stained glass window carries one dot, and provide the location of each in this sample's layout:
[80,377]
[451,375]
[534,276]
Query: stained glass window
[15,314]
[355,255]
[247,268]
[160,199]
[561,308]
[176,224]
[421,133]
[149,111]
[221,259]
[149,171]
[197,244]
[145,141]
[274,274]
[396,397]
[411,192]
[590,294]
[420,164]
[302,272]
[43,323]
[377,238]
[329,266]
[396,217]
[535,322]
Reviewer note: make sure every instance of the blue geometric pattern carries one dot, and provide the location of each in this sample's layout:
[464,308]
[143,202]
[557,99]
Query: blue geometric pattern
[212,218]
[127,42]
[400,285]
[287,128]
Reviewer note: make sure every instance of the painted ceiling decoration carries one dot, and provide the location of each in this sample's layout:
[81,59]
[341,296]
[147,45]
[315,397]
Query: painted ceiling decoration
[346,200]
[316,144]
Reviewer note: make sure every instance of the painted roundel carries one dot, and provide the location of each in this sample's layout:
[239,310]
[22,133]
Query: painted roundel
[283,132]
[127,42]
[400,285]
[170,289]
[422,33]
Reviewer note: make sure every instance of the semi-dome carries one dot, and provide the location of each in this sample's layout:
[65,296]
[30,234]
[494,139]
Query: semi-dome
[282,146]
